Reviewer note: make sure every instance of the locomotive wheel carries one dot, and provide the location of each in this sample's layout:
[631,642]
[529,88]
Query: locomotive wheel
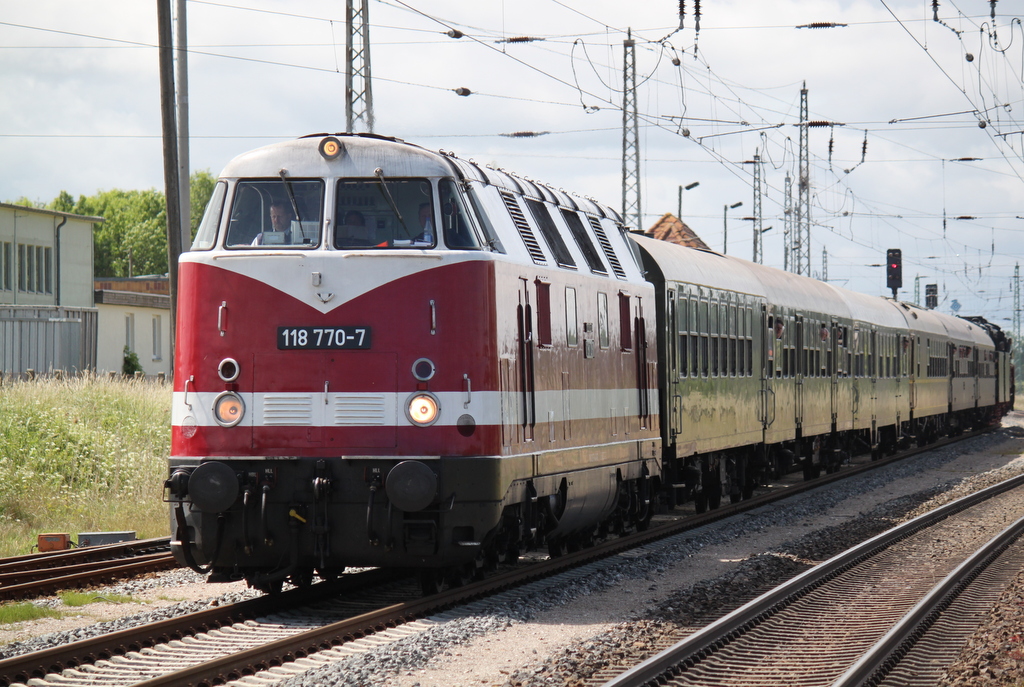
[432,581]
[557,547]
[302,578]
[700,502]
[271,587]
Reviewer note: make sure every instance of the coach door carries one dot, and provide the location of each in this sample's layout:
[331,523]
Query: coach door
[799,370]
[527,381]
[768,357]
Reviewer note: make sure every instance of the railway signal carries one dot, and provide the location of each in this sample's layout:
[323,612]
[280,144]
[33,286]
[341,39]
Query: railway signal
[894,270]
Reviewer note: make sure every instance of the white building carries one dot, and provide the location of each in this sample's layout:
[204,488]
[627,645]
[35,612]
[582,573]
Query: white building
[47,319]
[136,313]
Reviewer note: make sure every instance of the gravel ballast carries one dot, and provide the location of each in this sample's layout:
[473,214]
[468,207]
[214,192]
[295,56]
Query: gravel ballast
[567,632]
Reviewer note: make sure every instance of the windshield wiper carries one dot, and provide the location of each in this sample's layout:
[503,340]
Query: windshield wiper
[379,173]
[291,196]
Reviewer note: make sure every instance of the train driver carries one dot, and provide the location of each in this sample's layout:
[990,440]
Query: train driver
[280,223]
[427,223]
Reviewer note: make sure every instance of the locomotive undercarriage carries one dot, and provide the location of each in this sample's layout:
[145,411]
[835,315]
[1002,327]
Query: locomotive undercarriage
[274,520]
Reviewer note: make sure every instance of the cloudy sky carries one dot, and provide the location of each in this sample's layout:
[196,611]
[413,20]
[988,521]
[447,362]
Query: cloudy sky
[919,147]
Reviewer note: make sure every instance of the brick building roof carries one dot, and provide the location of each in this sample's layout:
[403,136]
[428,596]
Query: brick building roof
[672,229]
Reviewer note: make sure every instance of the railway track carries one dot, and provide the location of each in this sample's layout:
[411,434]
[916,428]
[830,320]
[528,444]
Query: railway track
[274,633]
[32,575]
[871,615]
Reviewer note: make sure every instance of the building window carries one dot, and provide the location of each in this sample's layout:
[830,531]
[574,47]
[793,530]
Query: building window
[157,353]
[6,268]
[129,331]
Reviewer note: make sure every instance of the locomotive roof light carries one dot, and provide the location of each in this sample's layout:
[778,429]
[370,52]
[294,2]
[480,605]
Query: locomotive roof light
[228,369]
[423,369]
[330,148]
[423,409]
[228,409]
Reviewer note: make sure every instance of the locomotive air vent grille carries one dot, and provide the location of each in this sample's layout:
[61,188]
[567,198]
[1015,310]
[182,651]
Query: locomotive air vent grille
[519,219]
[359,409]
[288,409]
[606,246]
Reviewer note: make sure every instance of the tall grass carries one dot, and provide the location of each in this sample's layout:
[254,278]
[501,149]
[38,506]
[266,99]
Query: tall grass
[81,455]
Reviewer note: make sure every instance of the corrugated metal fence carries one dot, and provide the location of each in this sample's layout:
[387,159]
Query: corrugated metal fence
[45,339]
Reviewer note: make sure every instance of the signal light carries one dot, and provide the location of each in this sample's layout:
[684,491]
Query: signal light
[894,269]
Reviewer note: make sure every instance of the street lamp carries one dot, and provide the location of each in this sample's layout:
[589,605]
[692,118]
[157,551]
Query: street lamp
[725,225]
[688,187]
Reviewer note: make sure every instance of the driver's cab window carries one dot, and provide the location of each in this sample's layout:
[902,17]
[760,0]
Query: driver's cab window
[384,213]
[458,232]
[276,214]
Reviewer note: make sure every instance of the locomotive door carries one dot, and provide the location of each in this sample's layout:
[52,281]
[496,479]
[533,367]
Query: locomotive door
[527,380]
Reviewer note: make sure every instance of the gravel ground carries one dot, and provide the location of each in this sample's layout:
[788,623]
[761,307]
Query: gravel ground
[619,613]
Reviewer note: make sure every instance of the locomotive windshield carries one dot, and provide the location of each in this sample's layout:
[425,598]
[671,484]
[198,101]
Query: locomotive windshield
[276,213]
[384,213]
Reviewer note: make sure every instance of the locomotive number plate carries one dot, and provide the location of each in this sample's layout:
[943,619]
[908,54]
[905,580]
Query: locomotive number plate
[312,338]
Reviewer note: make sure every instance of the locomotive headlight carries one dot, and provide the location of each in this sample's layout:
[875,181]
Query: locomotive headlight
[423,409]
[228,409]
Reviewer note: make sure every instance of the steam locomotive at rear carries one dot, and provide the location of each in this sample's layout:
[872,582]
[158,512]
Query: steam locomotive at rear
[392,357]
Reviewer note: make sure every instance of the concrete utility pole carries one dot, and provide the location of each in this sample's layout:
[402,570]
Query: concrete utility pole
[181,92]
[631,208]
[167,117]
[358,89]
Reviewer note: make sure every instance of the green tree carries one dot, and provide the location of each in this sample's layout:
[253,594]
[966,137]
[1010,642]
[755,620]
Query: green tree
[132,239]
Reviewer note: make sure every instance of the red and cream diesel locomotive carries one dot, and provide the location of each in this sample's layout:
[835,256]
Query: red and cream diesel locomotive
[388,356]
[393,357]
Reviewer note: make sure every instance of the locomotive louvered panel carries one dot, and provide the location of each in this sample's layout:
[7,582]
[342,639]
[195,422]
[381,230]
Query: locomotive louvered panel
[288,409]
[519,219]
[359,409]
[606,246]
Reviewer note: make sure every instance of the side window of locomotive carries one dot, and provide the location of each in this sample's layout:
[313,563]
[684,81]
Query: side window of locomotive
[625,323]
[384,213]
[274,213]
[206,236]
[458,231]
[603,334]
[476,199]
[550,233]
[572,336]
[582,238]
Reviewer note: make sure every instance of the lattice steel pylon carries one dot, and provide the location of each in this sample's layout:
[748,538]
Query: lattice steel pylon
[358,90]
[1016,304]
[631,208]
[787,225]
[758,251]
[802,243]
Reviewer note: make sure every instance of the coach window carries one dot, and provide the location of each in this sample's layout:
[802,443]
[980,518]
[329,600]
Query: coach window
[458,230]
[702,328]
[694,339]
[714,331]
[275,213]
[603,335]
[206,236]
[684,340]
[572,336]
[625,324]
